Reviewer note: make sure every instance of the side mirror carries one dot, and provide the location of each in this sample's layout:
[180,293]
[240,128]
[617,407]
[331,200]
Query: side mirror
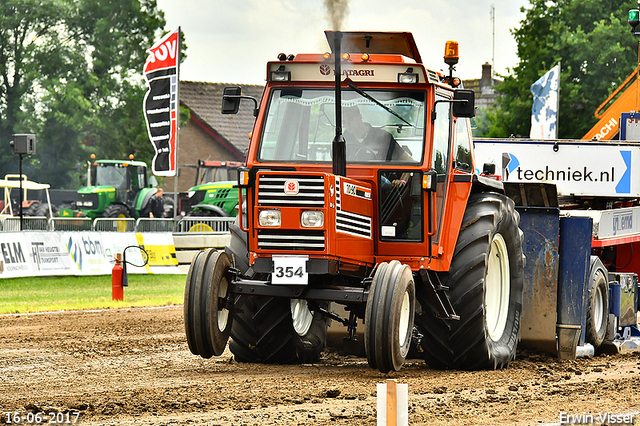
[231,100]
[464,104]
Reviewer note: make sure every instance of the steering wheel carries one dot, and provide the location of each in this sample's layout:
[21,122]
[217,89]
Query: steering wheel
[359,151]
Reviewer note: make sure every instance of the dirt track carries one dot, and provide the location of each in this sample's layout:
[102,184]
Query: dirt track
[133,366]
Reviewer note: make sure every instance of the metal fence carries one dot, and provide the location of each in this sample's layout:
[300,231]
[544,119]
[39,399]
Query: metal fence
[155,225]
[216,225]
[211,225]
[38,223]
[103,224]
[73,224]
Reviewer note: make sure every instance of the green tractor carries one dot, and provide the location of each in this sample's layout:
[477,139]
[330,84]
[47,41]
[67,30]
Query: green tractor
[213,197]
[115,189]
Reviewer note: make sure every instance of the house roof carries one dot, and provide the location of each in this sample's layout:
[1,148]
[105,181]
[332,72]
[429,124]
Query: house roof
[205,101]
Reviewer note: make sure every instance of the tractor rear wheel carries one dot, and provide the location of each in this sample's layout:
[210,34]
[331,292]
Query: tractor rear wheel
[272,330]
[485,288]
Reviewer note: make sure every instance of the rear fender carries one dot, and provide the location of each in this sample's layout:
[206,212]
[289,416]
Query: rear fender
[217,210]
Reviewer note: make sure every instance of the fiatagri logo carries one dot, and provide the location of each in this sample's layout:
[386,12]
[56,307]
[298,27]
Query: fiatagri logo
[513,171]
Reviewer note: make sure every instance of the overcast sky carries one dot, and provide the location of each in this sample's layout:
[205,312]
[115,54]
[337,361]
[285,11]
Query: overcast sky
[231,41]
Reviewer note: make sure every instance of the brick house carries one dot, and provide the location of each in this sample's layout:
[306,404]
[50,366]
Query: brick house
[209,135]
[486,95]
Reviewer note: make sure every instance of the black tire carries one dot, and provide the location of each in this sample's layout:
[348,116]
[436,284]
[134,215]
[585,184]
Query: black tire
[597,304]
[116,211]
[32,211]
[389,316]
[309,343]
[207,323]
[43,210]
[485,337]
[263,330]
[237,248]
[191,307]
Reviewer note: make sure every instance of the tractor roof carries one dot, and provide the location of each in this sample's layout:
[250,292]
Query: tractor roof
[123,162]
[390,43]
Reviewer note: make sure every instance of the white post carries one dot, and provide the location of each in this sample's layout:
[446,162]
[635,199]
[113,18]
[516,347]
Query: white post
[392,404]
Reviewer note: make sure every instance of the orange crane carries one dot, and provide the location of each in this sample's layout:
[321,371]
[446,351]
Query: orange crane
[609,124]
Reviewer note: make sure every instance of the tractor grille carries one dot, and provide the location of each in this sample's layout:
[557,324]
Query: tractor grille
[310,194]
[298,240]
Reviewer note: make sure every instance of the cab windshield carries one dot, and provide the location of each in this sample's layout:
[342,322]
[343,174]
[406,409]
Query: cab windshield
[300,126]
[107,174]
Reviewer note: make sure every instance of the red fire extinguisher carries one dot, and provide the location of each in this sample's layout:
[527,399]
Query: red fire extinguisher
[117,292]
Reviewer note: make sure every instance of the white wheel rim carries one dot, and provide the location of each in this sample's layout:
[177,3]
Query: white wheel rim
[598,303]
[301,316]
[404,319]
[223,314]
[497,288]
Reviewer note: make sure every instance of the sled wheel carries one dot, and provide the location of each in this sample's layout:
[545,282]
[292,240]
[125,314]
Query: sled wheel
[485,288]
[597,304]
[389,316]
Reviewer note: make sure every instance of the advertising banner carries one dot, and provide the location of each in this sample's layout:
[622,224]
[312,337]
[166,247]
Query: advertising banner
[580,168]
[48,256]
[14,256]
[161,104]
[32,254]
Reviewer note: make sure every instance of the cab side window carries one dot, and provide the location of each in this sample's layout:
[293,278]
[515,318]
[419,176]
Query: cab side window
[440,157]
[463,145]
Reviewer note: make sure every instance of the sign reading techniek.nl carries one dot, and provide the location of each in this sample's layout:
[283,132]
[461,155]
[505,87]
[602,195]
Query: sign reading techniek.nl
[577,168]
[161,102]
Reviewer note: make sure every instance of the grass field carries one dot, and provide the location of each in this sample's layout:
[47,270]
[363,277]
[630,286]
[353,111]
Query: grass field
[42,294]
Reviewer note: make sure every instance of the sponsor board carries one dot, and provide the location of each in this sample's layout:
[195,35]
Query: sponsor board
[577,168]
[86,250]
[14,255]
[83,253]
[47,255]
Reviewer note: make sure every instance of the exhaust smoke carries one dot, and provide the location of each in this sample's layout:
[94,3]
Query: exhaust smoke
[337,11]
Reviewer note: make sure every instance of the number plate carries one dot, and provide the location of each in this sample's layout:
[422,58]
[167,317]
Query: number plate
[291,270]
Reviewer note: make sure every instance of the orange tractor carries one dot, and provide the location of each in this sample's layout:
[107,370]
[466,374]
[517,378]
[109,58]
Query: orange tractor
[360,190]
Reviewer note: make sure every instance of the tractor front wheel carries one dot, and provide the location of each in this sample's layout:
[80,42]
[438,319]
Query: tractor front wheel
[117,211]
[389,316]
[208,313]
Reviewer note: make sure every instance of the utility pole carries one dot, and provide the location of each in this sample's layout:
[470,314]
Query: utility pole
[493,53]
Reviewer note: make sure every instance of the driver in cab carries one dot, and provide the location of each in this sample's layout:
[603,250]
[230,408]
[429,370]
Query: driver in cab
[364,141]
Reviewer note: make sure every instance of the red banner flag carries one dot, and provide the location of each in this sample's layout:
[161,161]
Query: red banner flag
[161,102]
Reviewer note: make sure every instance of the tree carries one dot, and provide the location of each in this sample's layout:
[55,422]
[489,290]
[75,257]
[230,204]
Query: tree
[70,71]
[592,40]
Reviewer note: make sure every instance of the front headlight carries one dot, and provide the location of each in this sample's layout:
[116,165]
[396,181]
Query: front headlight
[312,218]
[269,218]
